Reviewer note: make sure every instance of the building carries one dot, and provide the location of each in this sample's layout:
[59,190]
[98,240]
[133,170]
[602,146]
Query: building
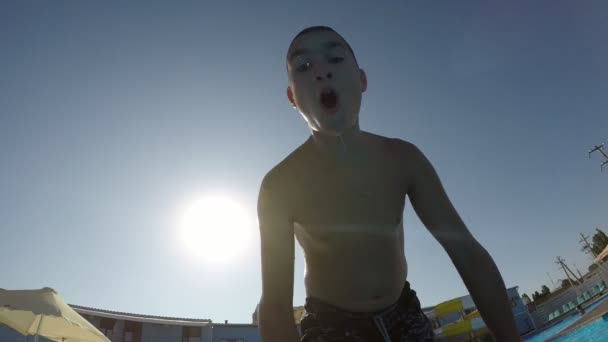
[453,311]
[129,327]
[563,301]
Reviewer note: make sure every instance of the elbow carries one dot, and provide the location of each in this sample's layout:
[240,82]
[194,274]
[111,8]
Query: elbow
[276,322]
[269,313]
[465,250]
[266,317]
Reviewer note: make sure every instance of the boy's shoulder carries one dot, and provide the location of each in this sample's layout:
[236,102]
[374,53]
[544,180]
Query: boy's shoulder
[398,148]
[280,176]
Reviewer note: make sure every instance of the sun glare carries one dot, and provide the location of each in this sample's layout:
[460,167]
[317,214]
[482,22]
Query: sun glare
[215,228]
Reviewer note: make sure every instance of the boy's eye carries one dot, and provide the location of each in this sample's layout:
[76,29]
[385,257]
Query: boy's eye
[336,55]
[303,66]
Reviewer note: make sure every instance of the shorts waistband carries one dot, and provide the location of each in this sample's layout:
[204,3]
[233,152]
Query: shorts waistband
[317,306]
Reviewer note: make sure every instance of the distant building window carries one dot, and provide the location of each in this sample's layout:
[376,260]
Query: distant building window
[191,334]
[109,333]
[106,326]
[132,332]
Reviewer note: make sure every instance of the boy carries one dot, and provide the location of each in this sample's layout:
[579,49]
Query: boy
[342,194]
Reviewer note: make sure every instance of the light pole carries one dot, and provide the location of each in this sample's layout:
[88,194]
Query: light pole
[599,148]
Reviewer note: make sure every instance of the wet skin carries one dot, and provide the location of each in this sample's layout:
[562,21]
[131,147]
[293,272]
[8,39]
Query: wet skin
[343,190]
[342,194]
[347,216]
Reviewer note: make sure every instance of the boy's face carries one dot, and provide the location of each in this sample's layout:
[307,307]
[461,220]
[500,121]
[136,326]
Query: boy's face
[325,83]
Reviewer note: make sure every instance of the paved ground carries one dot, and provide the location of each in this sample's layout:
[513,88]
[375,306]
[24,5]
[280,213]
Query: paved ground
[587,318]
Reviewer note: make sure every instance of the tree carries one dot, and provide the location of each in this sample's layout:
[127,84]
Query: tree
[600,241]
[536,295]
[602,236]
[565,284]
[592,267]
[544,290]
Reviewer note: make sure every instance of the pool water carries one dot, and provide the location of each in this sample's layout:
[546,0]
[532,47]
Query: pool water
[596,331]
[554,330]
[546,334]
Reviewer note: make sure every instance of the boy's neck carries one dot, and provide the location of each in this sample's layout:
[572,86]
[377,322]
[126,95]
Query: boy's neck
[340,146]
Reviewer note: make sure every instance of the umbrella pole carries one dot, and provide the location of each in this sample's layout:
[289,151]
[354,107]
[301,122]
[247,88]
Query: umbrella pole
[38,330]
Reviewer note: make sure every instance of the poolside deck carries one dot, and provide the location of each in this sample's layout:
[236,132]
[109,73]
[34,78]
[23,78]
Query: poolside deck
[587,318]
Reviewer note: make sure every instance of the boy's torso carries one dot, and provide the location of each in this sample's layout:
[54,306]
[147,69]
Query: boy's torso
[347,217]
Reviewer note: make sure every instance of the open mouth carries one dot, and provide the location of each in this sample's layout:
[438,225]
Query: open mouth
[329,99]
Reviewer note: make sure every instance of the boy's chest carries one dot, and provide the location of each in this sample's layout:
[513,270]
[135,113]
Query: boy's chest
[364,193]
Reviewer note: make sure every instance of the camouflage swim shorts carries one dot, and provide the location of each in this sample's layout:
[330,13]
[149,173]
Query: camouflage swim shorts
[402,322]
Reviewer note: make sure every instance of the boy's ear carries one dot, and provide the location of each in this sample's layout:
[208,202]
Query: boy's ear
[363,78]
[290,97]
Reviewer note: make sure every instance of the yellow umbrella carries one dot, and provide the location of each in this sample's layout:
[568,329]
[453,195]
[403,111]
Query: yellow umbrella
[43,313]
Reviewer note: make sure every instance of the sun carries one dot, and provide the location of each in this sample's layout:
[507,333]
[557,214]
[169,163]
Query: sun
[215,228]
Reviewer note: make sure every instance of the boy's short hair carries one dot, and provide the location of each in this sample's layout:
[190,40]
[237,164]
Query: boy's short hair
[316,29]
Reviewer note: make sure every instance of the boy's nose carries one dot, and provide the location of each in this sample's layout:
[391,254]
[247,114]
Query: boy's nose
[320,77]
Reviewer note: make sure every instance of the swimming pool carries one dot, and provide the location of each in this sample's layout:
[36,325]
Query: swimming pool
[596,331]
[554,330]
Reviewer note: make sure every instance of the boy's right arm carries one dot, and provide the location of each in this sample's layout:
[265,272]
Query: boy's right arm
[275,311]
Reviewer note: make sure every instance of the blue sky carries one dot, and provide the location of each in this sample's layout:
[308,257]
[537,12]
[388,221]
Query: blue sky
[114,114]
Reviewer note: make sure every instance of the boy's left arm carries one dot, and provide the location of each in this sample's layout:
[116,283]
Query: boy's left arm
[476,267]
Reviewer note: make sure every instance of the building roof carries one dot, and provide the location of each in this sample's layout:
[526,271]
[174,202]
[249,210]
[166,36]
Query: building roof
[140,318]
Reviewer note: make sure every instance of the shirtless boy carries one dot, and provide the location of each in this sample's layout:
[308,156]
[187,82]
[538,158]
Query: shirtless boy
[342,194]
